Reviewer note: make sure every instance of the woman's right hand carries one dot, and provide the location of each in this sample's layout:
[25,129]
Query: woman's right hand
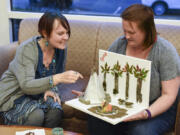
[66,77]
[77,93]
[52,94]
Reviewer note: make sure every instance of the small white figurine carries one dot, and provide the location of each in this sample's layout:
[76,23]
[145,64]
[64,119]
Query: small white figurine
[94,93]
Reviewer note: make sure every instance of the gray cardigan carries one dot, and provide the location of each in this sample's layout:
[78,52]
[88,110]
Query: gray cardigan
[19,79]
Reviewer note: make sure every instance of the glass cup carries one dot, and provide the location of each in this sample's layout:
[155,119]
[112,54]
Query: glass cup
[57,131]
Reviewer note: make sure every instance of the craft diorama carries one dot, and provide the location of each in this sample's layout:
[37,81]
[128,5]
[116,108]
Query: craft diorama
[120,90]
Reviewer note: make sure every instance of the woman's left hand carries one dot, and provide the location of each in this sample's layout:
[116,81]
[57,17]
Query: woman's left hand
[52,94]
[139,116]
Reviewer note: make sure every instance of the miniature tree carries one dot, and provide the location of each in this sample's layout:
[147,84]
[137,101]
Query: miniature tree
[140,74]
[105,70]
[116,72]
[129,70]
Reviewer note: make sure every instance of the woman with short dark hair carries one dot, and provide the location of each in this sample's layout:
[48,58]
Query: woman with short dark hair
[28,88]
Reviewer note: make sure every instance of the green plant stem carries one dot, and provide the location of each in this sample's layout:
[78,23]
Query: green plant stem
[104,82]
[127,85]
[116,80]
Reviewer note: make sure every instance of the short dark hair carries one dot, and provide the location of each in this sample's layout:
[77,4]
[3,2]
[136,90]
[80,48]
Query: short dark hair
[144,16]
[47,20]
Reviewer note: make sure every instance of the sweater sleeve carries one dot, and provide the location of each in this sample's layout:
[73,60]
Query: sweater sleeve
[169,62]
[24,67]
[114,46]
[118,46]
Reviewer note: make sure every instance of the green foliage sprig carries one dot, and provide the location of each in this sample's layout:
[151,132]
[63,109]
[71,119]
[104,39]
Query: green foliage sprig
[140,73]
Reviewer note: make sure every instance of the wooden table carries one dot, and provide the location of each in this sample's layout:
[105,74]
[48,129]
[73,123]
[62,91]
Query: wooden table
[11,130]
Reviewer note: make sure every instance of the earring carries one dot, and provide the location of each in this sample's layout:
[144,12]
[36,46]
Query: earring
[46,43]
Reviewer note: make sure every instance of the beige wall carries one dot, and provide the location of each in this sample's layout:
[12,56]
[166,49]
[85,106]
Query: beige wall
[4,22]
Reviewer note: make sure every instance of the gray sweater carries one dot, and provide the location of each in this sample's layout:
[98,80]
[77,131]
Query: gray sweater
[19,79]
[165,62]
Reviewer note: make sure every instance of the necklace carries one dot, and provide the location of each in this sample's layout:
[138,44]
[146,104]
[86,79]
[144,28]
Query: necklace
[44,71]
[52,67]
[47,62]
[50,71]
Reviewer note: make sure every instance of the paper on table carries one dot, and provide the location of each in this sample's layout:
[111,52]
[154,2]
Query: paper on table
[35,131]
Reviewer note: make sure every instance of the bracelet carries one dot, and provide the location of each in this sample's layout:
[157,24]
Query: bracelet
[51,82]
[149,113]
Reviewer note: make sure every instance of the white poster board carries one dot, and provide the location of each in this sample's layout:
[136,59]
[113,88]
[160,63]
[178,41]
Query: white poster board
[127,80]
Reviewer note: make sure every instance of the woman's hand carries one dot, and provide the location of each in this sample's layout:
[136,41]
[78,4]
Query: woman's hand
[139,116]
[66,77]
[168,96]
[52,94]
[77,93]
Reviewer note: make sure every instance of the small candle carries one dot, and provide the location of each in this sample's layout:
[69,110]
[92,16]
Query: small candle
[57,131]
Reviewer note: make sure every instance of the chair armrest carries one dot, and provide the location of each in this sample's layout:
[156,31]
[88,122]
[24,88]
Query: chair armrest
[7,53]
[177,124]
